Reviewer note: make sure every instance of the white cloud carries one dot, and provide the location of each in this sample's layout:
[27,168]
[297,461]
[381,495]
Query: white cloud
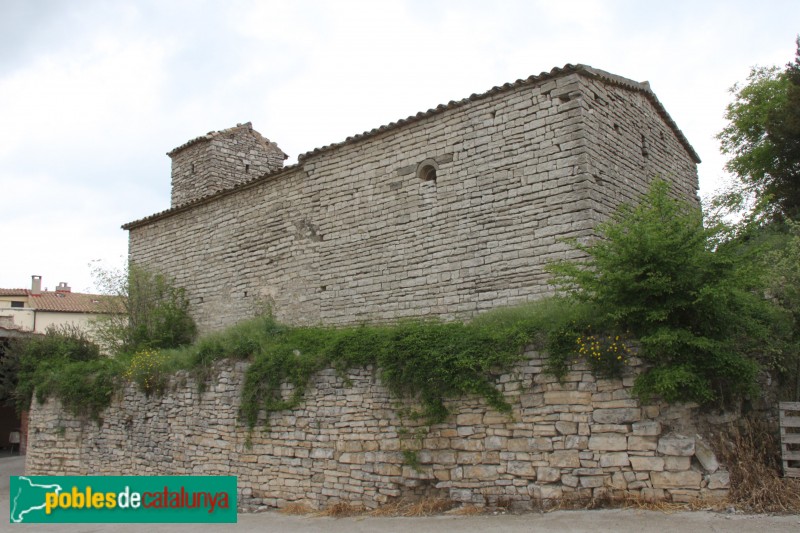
[93,93]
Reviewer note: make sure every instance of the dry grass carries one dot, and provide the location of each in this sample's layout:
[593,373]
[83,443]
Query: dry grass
[751,452]
[296,509]
[467,510]
[425,507]
[341,510]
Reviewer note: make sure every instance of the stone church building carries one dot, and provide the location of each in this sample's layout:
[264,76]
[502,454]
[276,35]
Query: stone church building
[447,213]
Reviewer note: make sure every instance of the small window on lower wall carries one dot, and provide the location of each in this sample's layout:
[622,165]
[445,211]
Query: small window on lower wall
[18,304]
[426,171]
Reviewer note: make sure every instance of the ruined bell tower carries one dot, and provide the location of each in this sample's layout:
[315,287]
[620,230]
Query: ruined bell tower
[220,160]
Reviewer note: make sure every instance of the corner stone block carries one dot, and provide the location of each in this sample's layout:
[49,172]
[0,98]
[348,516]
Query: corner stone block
[617,416]
[674,444]
[688,479]
[608,442]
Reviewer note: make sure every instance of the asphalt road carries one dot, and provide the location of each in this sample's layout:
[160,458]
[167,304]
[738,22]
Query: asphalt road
[616,520]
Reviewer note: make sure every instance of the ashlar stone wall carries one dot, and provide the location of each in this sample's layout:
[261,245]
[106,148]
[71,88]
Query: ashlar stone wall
[220,160]
[353,234]
[581,438]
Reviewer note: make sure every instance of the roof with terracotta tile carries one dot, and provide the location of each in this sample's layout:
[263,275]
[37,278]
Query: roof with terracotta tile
[211,134]
[75,302]
[68,302]
[585,70]
[13,292]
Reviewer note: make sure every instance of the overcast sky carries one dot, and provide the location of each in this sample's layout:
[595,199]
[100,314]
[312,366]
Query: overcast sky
[94,93]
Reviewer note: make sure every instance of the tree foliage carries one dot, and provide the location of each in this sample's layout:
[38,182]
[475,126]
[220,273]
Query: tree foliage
[658,273]
[156,312]
[64,362]
[763,139]
[783,265]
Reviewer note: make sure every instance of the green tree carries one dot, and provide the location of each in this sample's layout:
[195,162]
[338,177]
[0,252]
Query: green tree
[784,267]
[694,305]
[156,312]
[763,139]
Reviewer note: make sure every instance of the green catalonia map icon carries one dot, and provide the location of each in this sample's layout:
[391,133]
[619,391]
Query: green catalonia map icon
[27,498]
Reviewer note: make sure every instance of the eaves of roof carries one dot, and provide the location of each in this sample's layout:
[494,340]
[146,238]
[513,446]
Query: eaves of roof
[556,72]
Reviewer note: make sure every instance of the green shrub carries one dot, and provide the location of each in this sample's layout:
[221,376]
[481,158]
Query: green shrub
[65,364]
[695,306]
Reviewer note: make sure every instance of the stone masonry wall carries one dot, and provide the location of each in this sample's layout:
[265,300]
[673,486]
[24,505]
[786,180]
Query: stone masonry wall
[220,160]
[352,234]
[582,438]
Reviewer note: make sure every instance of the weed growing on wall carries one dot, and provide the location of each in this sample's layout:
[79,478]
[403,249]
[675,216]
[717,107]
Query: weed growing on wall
[426,360]
[147,368]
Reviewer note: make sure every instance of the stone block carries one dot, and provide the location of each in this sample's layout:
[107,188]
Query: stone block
[608,442]
[550,492]
[646,428]
[480,472]
[469,419]
[647,464]
[614,459]
[384,469]
[495,443]
[653,495]
[617,416]
[566,428]
[522,469]
[547,475]
[688,479]
[719,480]
[675,463]
[568,480]
[591,481]
[636,443]
[684,496]
[705,455]
[576,442]
[675,444]
[518,445]
[567,397]
[565,459]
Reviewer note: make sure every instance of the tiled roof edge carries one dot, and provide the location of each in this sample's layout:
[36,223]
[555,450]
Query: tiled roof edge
[209,197]
[531,80]
[614,79]
[211,134]
[556,72]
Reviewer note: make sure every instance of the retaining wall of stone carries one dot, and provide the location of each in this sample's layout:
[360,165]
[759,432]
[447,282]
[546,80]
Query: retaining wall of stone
[581,438]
